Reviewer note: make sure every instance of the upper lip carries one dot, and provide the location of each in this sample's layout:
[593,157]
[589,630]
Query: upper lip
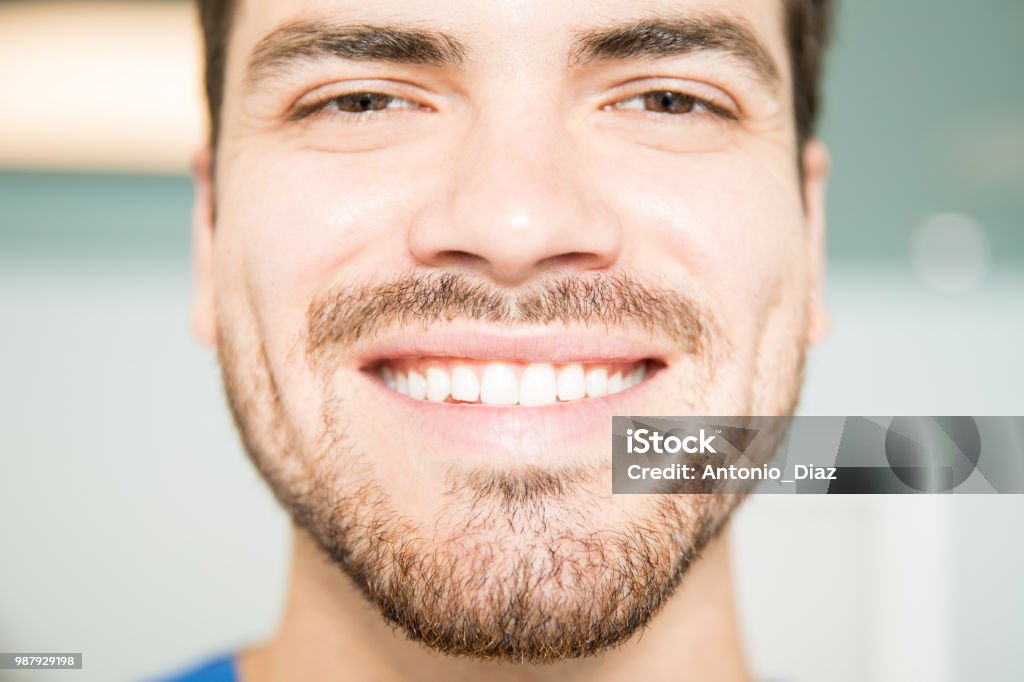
[584,345]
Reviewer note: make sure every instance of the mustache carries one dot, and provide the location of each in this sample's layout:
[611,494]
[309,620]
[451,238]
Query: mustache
[353,313]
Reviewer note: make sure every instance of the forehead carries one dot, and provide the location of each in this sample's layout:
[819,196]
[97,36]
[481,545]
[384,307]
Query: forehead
[503,33]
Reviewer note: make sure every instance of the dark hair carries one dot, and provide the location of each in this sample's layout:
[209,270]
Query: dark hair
[807,23]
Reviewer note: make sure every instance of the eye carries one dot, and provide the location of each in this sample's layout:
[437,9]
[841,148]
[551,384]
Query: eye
[354,104]
[672,103]
[363,102]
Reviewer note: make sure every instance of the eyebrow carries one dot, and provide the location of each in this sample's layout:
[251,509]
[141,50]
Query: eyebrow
[668,37]
[306,41]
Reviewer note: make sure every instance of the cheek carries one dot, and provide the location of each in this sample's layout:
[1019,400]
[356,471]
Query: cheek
[289,227]
[303,221]
[729,231]
[295,222]
[722,223]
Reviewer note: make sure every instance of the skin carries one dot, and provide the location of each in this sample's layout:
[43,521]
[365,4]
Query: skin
[515,170]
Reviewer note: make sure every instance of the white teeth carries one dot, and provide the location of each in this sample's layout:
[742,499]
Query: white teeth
[597,382]
[508,384]
[537,386]
[465,385]
[571,385]
[438,384]
[499,385]
[417,385]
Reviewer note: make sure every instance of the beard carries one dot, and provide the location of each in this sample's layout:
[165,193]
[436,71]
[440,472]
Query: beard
[519,564]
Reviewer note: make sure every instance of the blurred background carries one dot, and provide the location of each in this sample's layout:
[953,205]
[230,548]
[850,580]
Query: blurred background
[134,530]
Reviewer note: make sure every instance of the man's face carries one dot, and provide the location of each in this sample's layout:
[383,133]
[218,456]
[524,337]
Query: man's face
[454,238]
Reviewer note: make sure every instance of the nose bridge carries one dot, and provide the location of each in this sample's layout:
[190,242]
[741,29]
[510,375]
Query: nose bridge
[512,173]
[518,203]
[524,150]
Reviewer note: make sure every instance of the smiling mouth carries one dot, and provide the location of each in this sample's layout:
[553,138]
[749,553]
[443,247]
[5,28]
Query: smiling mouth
[471,381]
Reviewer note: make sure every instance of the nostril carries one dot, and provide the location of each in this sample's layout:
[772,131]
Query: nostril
[456,258]
[577,260]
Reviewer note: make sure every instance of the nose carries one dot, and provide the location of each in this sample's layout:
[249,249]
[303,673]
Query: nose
[516,206]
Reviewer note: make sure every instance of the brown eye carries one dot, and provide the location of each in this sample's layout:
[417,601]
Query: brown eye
[363,102]
[354,106]
[672,103]
[667,102]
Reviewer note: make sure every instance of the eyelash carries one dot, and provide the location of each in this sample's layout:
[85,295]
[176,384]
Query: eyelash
[692,101]
[318,106]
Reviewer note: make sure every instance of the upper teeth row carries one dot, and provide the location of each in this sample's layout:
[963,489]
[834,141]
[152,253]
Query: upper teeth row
[501,384]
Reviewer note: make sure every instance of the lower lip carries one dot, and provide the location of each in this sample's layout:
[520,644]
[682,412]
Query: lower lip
[516,434]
